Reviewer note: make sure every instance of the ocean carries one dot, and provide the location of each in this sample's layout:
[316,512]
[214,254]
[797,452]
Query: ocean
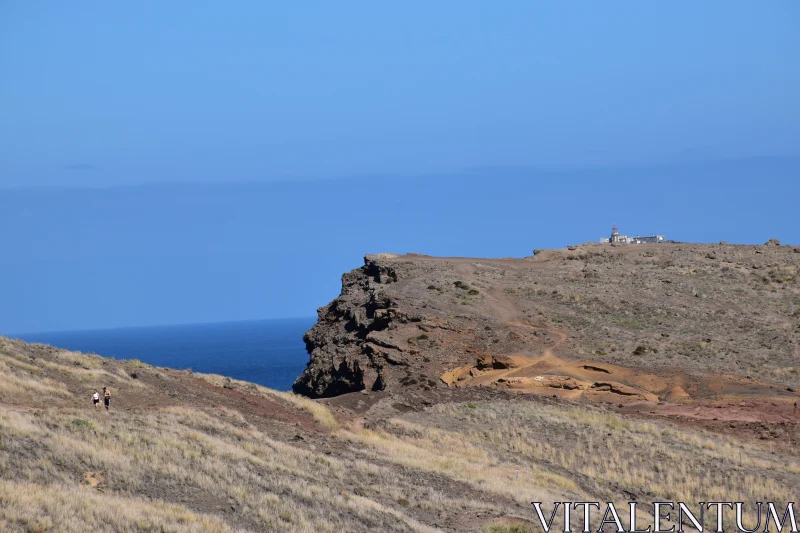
[267,352]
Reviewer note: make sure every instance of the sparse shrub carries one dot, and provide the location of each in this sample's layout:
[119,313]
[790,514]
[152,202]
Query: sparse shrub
[36,526]
[403,502]
[471,406]
[81,424]
[461,285]
[432,287]
[423,337]
[640,350]
[473,292]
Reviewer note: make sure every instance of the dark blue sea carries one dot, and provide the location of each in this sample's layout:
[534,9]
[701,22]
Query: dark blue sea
[267,352]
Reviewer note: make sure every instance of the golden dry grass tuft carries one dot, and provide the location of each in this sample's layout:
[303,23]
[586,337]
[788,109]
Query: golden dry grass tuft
[642,457]
[320,413]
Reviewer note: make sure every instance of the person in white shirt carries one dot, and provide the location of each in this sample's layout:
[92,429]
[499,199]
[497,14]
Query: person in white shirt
[96,399]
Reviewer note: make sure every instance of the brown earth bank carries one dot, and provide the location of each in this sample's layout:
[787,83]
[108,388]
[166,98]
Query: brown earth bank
[454,393]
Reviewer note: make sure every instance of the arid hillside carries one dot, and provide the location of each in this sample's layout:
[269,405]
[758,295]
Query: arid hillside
[457,392]
[183,452]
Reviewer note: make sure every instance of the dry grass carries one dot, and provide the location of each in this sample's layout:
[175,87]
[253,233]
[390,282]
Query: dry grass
[194,466]
[177,451]
[642,457]
[449,454]
[33,507]
[320,413]
[21,385]
[19,364]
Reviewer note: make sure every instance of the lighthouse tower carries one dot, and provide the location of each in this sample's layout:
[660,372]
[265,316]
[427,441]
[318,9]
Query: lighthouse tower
[614,234]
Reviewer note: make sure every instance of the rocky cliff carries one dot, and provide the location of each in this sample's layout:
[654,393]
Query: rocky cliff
[349,346]
[667,309]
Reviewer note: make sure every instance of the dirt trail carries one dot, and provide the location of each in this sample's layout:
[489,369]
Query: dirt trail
[675,393]
[507,310]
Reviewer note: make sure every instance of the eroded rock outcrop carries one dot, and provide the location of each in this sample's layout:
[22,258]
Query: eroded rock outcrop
[343,358]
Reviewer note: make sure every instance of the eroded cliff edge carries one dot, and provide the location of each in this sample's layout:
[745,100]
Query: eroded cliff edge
[423,322]
[349,347]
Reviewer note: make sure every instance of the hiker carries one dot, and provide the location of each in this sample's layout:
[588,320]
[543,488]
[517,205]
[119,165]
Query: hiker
[106,397]
[96,400]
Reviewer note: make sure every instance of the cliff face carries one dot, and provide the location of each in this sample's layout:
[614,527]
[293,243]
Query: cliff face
[423,322]
[345,353]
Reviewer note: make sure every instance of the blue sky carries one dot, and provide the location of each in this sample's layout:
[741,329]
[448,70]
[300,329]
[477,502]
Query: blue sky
[171,162]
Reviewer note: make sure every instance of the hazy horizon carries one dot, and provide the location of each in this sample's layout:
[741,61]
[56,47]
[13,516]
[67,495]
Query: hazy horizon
[159,254]
[16,334]
[504,170]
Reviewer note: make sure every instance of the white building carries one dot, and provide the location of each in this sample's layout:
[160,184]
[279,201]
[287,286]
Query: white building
[624,239]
